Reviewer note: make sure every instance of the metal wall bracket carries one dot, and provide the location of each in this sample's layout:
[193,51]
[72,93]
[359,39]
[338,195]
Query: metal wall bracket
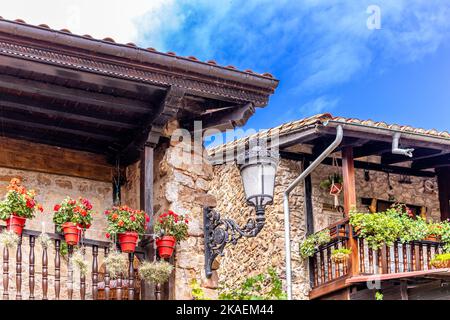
[219,233]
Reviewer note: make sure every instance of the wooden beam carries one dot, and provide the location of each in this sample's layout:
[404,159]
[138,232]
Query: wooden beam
[418,154]
[443,175]
[370,149]
[308,201]
[434,162]
[48,90]
[55,128]
[46,109]
[362,165]
[349,190]
[146,204]
[53,160]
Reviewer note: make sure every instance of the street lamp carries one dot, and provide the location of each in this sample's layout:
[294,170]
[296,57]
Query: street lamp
[257,167]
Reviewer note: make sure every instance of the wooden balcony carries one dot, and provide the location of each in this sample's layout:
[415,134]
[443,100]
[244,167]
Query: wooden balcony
[33,272]
[365,264]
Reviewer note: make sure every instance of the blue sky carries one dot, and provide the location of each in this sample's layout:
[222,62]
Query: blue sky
[321,50]
[323,53]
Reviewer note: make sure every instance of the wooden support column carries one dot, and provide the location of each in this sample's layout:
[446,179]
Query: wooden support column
[146,203]
[309,215]
[348,172]
[443,177]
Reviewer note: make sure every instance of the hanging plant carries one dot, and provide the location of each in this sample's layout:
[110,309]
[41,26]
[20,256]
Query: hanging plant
[127,224]
[71,216]
[18,205]
[9,238]
[441,261]
[116,264]
[340,255]
[170,228]
[155,272]
[336,180]
[44,240]
[79,262]
[312,242]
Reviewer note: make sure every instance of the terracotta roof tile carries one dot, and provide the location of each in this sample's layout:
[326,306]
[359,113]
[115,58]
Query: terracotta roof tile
[111,40]
[293,126]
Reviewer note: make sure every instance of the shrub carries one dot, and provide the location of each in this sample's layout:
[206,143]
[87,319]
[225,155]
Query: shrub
[260,287]
[155,272]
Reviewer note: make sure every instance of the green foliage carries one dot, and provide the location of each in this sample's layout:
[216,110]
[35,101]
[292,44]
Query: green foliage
[378,295]
[155,272]
[327,183]
[197,291]
[260,287]
[18,201]
[440,260]
[397,224]
[312,242]
[122,219]
[80,262]
[341,251]
[172,224]
[64,249]
[75,211]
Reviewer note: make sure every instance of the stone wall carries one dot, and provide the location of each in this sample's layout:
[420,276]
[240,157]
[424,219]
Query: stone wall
[253,256]
[181,181]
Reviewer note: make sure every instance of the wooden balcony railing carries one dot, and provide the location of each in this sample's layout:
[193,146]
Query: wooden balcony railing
[48,275]
[398,258]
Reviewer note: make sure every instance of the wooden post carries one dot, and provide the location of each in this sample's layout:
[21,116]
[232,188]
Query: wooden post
[348,172]
[31,268]
[146,201]
[443,175]
[309,215]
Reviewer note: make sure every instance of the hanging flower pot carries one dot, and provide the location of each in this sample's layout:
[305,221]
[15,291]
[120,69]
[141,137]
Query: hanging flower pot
[165,245]
[340,255]
[335,188]
[128,241]
[71,233]
[71,216]
[16,224]
[127,224]
[17,206]
[171,228]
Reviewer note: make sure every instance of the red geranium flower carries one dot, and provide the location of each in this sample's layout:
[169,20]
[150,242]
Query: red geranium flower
[107,235]
[56,207]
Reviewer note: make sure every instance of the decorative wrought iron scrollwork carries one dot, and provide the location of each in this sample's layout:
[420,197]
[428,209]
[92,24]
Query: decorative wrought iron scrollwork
[219,233]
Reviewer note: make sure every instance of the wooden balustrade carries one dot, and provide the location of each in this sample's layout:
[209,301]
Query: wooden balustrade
[63,286]
[398,258]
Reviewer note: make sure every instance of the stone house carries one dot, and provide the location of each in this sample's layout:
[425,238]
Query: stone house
[374,178]
[94,118]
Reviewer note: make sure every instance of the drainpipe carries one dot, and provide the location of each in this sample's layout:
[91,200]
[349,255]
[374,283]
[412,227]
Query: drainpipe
[396,149]
[287,224]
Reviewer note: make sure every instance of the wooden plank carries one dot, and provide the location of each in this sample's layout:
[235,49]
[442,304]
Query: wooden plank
[48,159]
[442,160]
[329,287]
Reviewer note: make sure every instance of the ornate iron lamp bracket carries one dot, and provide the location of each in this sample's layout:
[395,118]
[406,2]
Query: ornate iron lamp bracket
[219,233]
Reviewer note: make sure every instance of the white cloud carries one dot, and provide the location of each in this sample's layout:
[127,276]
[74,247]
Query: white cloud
[99,18]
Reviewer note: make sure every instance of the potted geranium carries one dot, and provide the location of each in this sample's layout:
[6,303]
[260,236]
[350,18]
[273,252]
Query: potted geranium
[18,205]
[170,229]
[127,224]
[71,216]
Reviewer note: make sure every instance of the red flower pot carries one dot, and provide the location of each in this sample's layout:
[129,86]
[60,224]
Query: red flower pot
[15,224]
[165,245]
[128,241]
[71,233]
[336,188]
